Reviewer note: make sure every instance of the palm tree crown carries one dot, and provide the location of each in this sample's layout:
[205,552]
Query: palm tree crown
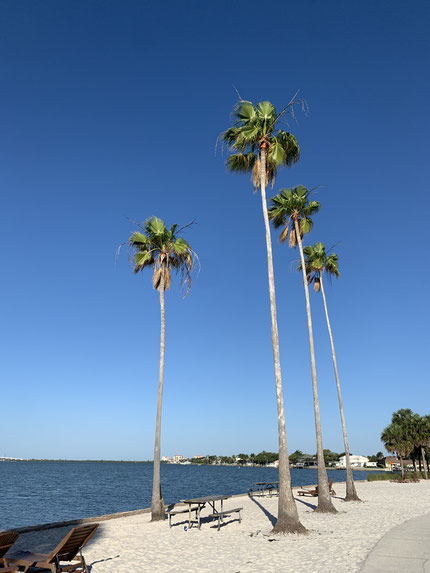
[317,261]
[163,250]
[291,205]
[254,129]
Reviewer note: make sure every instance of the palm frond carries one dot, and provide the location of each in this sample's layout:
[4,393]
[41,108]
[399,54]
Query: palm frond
[255,125]
[331,265]
[283,236]
[241,162]
[138,238]
[163,250]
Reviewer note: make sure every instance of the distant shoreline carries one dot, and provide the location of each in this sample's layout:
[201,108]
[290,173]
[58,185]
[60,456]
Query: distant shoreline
[174,464]
[78,461]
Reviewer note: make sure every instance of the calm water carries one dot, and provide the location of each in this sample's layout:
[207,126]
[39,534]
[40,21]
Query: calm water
[42,492]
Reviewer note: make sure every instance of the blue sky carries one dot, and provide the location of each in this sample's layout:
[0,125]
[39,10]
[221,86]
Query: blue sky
[110,111]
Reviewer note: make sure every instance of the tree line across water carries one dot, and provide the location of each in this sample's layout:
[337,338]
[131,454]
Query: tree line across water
[264,458]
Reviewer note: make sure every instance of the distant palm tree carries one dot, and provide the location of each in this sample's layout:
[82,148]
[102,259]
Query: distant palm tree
[162,250]
[397,440]
[421,436]
[258,146]
[317,262]
[292,210]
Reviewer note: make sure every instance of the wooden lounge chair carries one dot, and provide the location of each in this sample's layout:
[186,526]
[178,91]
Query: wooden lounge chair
[7,539]
[67,550]
[314,492]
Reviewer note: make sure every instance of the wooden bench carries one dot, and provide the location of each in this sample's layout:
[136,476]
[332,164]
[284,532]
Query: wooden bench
[180,510]
[220,514]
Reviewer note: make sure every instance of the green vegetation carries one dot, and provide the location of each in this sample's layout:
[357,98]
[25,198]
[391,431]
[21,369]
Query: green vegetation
[384,476]
[408,435]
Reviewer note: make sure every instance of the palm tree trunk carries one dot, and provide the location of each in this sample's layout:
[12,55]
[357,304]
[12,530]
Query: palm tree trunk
[403,467]
[351,494]
[423,457]
[288,517]
[325,504]
[157,505]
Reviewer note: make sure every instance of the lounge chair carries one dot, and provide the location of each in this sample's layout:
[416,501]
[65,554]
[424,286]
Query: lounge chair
[314,492]
[7,539]
[67,550]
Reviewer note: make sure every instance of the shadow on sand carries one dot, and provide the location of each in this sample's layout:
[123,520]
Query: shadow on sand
[301,500]
[269,515]
[90,565]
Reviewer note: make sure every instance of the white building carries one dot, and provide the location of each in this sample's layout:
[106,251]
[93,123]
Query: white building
[356,461]
[177,459]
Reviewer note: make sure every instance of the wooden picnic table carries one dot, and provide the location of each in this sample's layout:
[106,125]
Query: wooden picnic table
[265,486]
[200,502]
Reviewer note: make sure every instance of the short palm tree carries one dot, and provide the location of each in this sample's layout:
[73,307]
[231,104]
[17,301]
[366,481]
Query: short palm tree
[292,210]
[258,146]
[162,250]
[421,436]
[317,262]
[397,440]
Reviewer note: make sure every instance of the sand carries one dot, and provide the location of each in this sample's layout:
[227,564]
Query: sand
[338,542]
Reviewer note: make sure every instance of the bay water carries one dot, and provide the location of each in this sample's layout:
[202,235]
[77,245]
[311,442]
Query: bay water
[41,492]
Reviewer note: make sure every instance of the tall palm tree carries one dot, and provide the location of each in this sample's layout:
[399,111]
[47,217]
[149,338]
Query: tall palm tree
[292,210]
[162,250]
[258,146]
[317,262]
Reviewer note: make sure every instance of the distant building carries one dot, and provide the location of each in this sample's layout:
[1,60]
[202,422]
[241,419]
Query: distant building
[166,459]
[355,461]
[198,457]
[177,459]
[393,462]
[307,460]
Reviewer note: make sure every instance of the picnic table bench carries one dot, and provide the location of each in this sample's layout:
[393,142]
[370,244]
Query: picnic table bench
[262,487]
[221,514]
[174,511]
[199,503]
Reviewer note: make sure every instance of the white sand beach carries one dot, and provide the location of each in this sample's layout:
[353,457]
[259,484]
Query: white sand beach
[335,542]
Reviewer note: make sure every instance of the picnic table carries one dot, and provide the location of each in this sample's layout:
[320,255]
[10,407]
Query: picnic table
[263,487]
[200,502]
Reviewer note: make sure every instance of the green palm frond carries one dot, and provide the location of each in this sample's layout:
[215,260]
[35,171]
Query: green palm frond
[138,238]
[290,205]
[317,261]
[241,162]
[163,250]
[155,227]
[255,125]
[244,112]
[331,265]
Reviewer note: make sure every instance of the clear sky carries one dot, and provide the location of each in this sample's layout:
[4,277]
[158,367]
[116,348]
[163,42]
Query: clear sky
[110,111]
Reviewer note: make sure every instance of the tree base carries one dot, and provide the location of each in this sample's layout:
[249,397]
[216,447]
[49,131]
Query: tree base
[324,507]
[286,525]
[352,497]
[157,511]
